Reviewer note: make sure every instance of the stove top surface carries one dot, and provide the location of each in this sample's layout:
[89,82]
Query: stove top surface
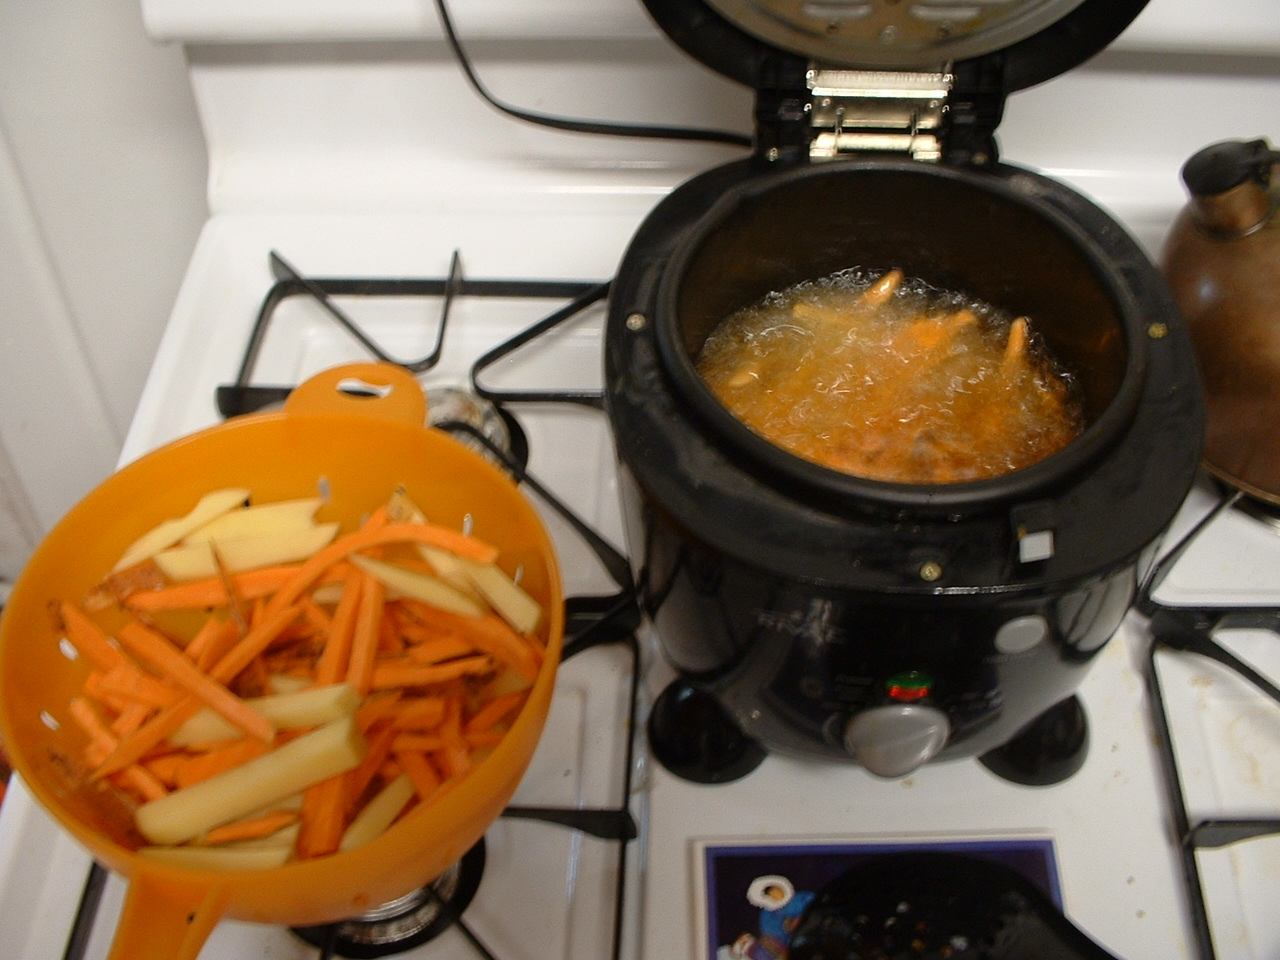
[1108,827]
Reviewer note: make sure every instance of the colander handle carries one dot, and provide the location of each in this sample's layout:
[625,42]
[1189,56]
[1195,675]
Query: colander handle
[383,391]
[166,917]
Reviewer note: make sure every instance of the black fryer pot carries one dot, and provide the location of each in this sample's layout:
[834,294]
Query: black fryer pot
[819,614]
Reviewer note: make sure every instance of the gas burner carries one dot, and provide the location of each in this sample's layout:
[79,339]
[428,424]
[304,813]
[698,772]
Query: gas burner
[406,922]
[478,423]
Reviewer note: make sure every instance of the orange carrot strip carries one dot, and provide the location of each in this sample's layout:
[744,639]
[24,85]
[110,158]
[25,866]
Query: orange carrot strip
[488,634]
[320,621]
[165,767]
[493,712]
[88,719]
[212,591]
[390,639]
[202,766]
[164,656]
[127,682]
[454,756]
[357,780]
[334,659]
[168,720]
[198,645]
[88,638]
[364,639]
[222,635]
[483,738]
[377,707]
[423,775]
[130,719]
[439,648]
[323,818]
[390,674]
[250,829]
[420,713]
[142,781]
[427,533]
[417,743]
[151,734]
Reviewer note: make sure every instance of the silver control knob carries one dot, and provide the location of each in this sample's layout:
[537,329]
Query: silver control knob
[893,740]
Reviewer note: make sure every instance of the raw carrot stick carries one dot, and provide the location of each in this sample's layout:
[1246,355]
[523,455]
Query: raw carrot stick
[387,675]
[420,713]
[88,720]
[211,591]
[154,731]
[493,712]
[357,780]
[151,734]
[379,706]
[489,634]
[425,779]
[364,638]
[332,665]
[418,742]
[165,767]
[323,818]
[315,615]
[164,656]
[130,719]
[438,650]
[452,540]
[143,781]
[251,828]
[127,683]
[103,741]
[88,638]
[204,765]
[213,642]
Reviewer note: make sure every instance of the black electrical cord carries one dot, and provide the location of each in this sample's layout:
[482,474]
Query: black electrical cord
[653,132]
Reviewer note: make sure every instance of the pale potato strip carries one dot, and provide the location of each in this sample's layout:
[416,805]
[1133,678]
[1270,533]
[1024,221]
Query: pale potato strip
[286,711]
[168,532]
[420,586]
[507,598]
[195,561]
[312,757]
[379,813]
[258,520]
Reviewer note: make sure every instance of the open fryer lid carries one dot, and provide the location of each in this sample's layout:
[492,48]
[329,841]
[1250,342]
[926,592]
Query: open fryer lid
[1034,39]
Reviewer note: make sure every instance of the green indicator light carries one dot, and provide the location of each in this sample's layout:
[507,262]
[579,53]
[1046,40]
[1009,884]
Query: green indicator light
[908,686]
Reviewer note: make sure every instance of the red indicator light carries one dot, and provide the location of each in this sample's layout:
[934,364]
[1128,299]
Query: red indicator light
[909,686]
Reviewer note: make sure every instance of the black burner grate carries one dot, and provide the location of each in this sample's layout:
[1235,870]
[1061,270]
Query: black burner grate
[1191,630]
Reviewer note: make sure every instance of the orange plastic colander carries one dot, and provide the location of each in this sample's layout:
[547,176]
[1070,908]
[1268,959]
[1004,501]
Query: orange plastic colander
[356,449]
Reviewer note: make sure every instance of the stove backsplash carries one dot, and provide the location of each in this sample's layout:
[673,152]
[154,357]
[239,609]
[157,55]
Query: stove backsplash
[330,104]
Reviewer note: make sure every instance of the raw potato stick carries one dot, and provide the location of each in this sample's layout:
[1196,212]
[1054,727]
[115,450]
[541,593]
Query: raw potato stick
[379,813]
[185,814]
[288,711]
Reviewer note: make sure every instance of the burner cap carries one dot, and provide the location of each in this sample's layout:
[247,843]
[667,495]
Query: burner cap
[406,922]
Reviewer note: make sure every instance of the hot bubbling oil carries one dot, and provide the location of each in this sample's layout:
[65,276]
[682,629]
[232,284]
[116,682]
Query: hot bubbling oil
[892,379]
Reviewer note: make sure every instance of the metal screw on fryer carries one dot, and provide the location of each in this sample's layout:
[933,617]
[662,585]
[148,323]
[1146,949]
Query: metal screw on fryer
[772,154]
[1158,331]
[930,570]
[635,321]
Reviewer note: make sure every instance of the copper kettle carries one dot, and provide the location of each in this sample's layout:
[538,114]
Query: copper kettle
[1221,259]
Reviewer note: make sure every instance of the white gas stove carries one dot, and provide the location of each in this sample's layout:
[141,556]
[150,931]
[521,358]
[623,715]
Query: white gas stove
[351,145]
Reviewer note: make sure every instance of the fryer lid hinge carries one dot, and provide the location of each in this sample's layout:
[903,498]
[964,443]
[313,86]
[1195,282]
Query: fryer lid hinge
[877,111]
